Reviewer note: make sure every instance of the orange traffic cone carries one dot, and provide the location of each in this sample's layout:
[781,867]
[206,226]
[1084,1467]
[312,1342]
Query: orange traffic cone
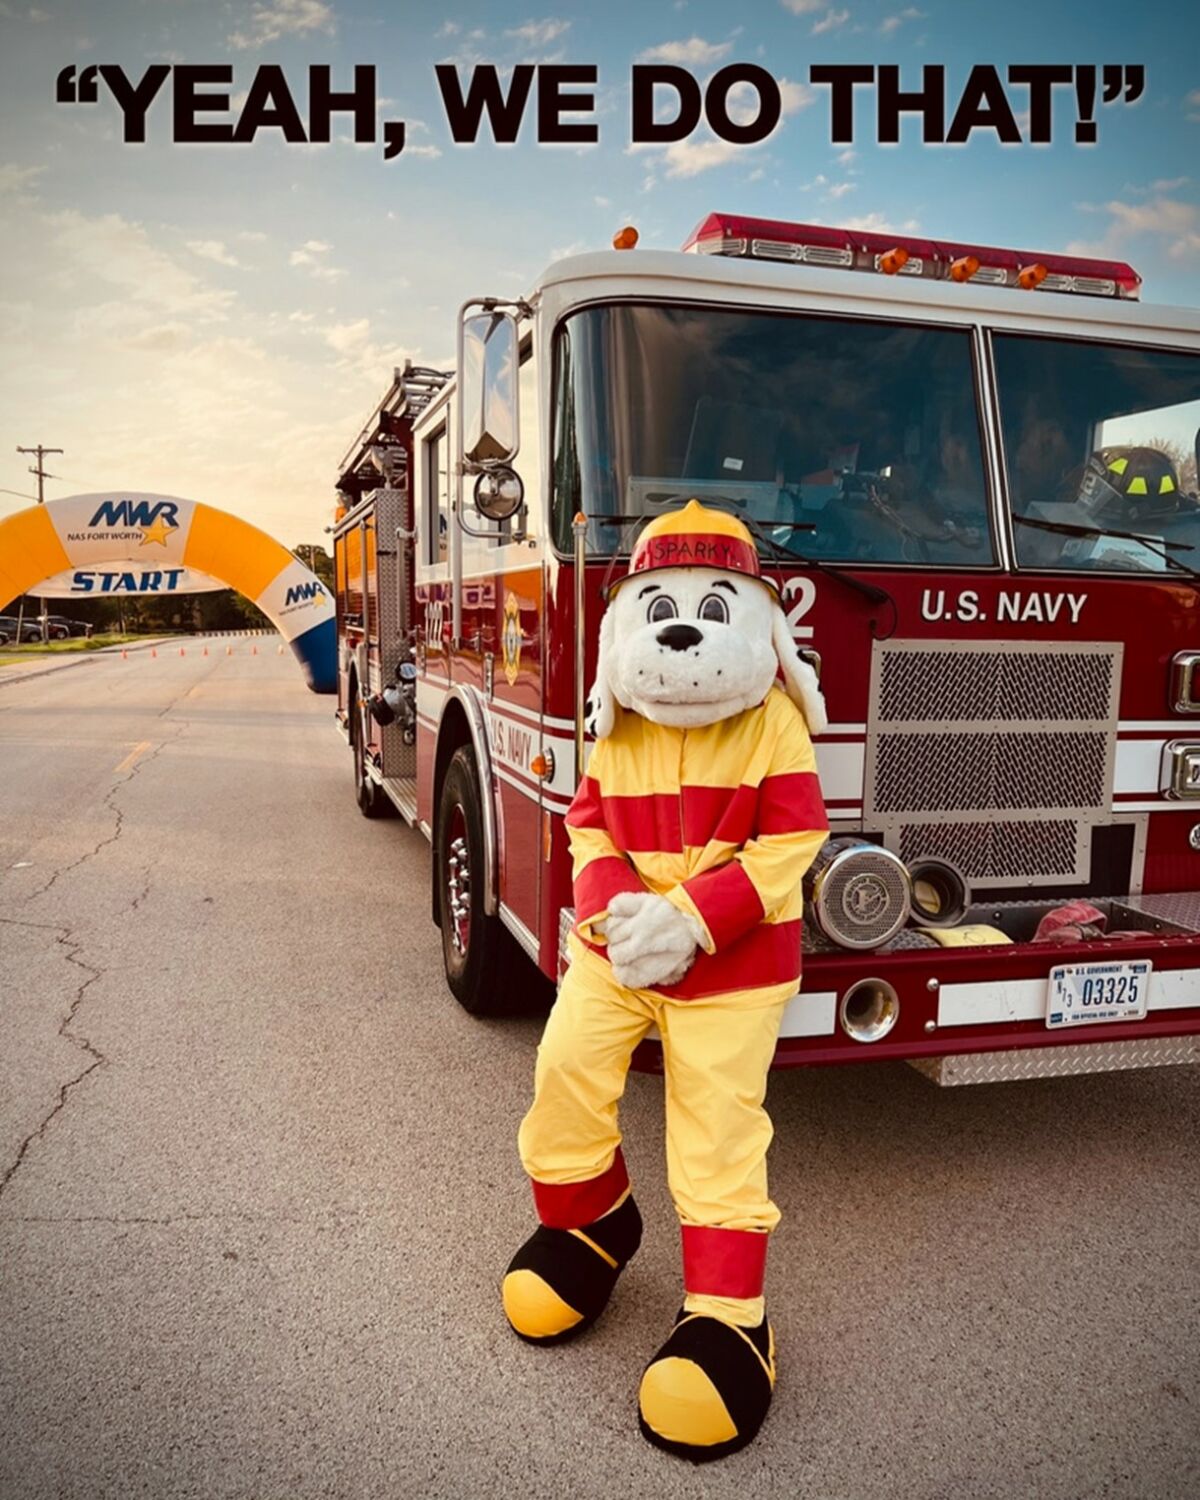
[254,650]
[279,651]
[124,654]
[182,652]
[206,651]
[228,650]
[153,650]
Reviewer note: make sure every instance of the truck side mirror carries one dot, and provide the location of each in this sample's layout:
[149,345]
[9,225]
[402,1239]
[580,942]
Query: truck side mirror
[488,359]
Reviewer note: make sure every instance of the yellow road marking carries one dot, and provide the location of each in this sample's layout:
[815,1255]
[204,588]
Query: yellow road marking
[127,763]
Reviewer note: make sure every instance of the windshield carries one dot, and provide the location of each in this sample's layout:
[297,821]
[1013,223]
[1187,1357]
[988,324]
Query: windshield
[843,440]
[1100,444]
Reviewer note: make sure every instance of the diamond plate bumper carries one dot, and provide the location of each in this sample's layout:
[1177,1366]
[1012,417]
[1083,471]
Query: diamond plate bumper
[1057,1062]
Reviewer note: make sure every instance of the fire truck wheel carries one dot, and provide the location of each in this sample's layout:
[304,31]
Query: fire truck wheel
[475,947]
[367,794]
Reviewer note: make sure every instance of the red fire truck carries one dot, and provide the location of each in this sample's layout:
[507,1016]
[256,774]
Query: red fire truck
[973,473]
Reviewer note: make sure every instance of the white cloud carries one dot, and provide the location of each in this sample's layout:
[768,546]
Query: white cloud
[308,258]
[694,52]
[270,20]
[115,251]
[690,158]
[743,100]
[252,236]
[802,7]
[602,202]
[539,33]
[840,189]
[345,338]
[1172,220]
[878,223]
[429,150]
[830,21]
[159,338]
[1193,104]
[14,178]
[893,23]
[795,96]
[447,28]
[213,250]
[844,158]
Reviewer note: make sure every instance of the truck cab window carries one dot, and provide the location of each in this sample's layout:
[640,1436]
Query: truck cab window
[837,438]
[1100,443]
[437,497]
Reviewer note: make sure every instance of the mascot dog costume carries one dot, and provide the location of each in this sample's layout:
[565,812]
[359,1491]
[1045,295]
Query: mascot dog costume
[699,815]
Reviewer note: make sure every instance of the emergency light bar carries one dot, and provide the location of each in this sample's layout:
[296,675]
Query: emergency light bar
[889,255]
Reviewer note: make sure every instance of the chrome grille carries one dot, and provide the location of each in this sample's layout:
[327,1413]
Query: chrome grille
[987,772]
[997,853]
[996,757]
[1002,685]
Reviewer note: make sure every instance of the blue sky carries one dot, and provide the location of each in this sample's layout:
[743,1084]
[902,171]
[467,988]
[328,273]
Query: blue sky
[216,321]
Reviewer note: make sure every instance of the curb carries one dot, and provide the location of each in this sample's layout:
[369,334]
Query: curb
[83,659]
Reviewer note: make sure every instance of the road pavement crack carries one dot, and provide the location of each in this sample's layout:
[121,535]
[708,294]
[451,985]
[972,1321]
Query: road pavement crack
[97,1059]
[110,804]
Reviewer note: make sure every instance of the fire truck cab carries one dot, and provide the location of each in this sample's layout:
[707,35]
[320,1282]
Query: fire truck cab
[973,473]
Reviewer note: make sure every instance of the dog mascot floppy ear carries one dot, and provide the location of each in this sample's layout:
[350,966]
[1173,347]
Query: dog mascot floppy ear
[690,833]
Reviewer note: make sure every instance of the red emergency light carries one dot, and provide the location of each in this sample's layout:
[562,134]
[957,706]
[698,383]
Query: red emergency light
[904,255]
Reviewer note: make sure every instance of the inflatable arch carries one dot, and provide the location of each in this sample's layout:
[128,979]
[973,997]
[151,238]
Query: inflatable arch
[89,546]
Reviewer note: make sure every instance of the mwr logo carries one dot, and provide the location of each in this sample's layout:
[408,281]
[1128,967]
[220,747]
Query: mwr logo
[135,513]
[304,593]
[154,519]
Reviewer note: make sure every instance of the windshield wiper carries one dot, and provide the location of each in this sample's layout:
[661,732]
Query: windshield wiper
[1157,546]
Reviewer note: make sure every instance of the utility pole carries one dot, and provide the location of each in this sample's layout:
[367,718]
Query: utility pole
[41,450]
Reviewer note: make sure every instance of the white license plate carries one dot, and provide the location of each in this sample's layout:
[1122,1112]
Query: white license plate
[1082,994]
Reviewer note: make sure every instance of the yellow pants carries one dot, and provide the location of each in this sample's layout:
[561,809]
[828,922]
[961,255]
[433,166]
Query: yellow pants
[716,1055]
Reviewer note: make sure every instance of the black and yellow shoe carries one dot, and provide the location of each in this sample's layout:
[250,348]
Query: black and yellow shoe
[560,1280]
[707,1390]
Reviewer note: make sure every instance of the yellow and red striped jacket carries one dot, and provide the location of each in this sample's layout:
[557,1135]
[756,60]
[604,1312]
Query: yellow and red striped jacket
[723,821]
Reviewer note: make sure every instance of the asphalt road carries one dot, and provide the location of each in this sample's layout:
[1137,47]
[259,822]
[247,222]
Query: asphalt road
[260,1181]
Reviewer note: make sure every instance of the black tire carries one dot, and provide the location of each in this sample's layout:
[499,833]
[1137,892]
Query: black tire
[368,794]
[480,957]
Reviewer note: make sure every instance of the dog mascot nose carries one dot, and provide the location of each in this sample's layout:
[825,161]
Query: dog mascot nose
[679,637]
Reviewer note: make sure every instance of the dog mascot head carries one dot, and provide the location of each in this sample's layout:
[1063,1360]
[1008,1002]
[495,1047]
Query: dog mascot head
[694,633]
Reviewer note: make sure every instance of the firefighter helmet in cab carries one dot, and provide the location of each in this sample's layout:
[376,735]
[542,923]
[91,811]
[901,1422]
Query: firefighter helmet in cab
[1125,485]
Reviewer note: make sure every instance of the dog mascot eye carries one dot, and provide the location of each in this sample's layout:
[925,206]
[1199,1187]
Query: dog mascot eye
[713,607]
[662,608]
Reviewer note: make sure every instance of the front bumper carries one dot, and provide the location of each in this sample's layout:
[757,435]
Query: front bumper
[961,1008]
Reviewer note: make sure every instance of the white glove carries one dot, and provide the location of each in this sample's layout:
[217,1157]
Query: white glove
[650,942]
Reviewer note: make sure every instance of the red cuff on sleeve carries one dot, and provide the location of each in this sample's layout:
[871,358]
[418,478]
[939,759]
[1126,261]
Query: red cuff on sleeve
[727,902]
[599,881]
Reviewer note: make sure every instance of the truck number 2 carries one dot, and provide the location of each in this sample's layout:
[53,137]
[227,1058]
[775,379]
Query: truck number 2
[799,596]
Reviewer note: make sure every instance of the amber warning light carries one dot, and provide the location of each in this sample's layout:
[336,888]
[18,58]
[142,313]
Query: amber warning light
[934,260]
